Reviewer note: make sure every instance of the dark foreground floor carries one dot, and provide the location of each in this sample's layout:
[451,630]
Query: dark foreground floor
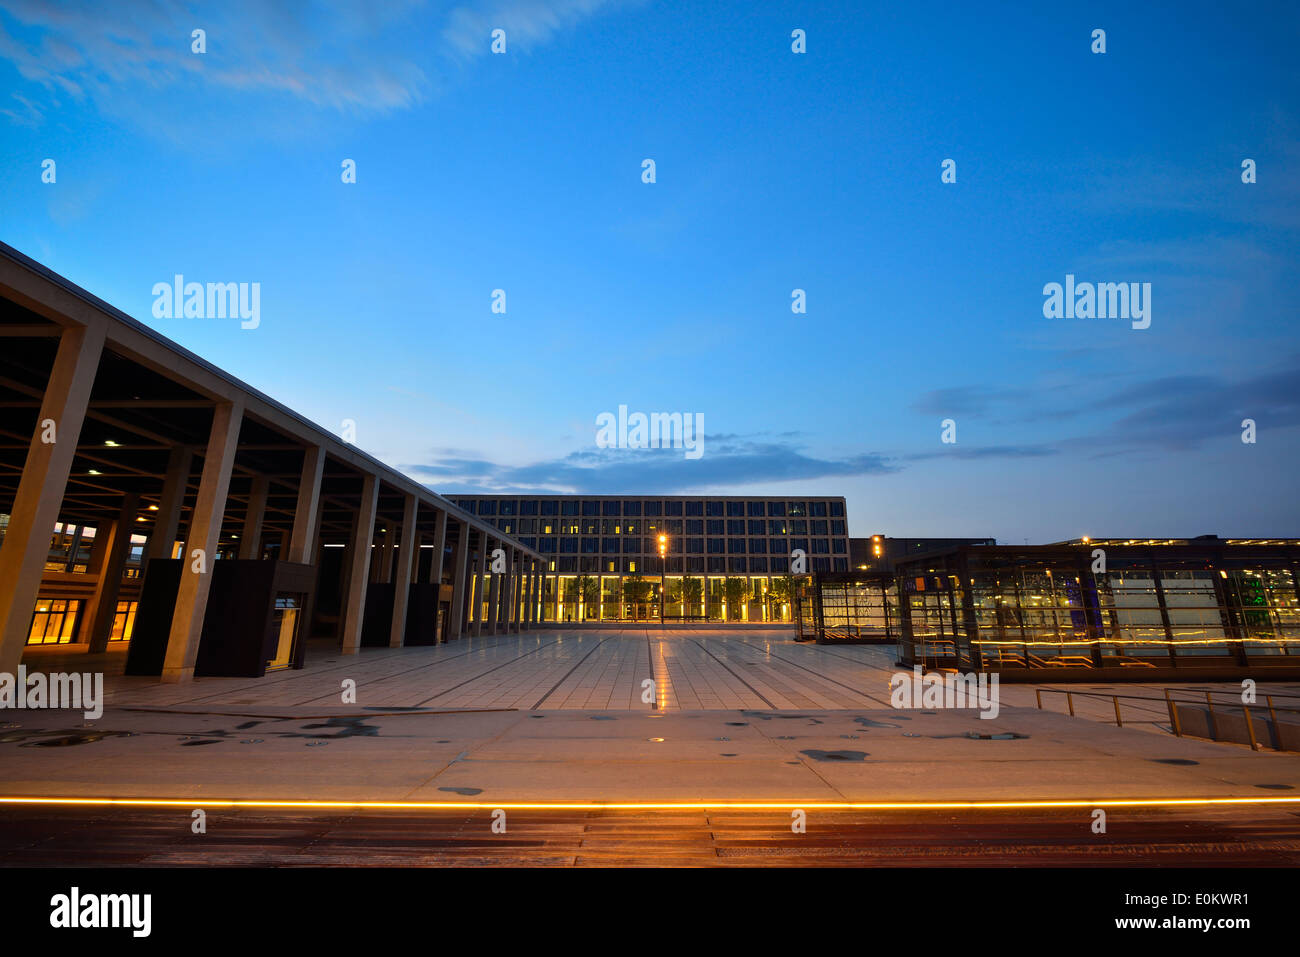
[1213,837]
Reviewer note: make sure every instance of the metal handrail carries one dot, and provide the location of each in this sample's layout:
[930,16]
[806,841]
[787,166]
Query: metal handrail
[1170,703]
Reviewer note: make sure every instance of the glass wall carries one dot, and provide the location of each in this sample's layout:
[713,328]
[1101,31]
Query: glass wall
[1043,610]
[1267,609]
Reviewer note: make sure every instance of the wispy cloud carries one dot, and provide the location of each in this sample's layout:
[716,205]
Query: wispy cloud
[527,23]
[331,54]
[1169,413]
[326,53]
[728,463]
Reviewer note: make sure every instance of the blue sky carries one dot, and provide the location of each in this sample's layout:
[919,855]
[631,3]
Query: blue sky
[775,171]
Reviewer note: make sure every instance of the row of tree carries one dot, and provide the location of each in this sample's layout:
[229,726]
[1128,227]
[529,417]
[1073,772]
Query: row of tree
[585,591]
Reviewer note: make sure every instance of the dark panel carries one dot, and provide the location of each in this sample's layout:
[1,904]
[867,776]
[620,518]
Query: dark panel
[153,617]
[379,615]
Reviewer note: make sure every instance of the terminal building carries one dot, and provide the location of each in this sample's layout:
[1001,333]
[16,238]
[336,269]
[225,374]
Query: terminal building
[681,558]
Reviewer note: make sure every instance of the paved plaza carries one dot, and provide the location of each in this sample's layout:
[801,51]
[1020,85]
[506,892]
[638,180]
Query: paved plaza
[555,715]
[577,669]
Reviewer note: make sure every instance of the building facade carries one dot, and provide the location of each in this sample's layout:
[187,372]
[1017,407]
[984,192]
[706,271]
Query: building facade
[724,558]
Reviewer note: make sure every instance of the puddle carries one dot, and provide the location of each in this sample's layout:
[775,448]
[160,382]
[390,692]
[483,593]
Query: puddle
[602,717]
[870,723]
[1276,787]
[348,727]
[59,739]
[1177,762]
[467,792]
[835,755]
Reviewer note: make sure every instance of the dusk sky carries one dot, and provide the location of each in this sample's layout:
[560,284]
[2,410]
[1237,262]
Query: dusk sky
[775,171]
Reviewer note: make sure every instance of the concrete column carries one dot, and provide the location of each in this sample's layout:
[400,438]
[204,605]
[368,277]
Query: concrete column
[385,557]
[521,615]
[104,533]
[439,541]
[250,536]
[363,535]
[503,601]
[475,592]
[516,589]
[40,490]
[476,596]
[203,535]
[459,584]
[530,616]
[167,520]
[74,546]
[494,597]
[507,587]
[380,557]
[307,515]
[403,567]
[112,555]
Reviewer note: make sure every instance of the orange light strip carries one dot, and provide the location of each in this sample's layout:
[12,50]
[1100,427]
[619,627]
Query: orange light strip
[646,805]
[1133,642]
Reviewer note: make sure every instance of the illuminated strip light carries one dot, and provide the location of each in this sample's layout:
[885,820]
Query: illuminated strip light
[1143,641]
[646,806]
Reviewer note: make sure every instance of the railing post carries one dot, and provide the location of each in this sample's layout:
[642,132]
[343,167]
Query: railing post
[1038,693]
[1069,699]
[1250,728]
[1119,722]
[1173,715]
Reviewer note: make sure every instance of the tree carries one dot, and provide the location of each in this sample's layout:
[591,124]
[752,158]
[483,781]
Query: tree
[779,592]
[636,591]
[588,594]
[692,591]
[734,591]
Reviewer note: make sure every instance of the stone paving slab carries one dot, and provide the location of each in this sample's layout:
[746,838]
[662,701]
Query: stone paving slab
[548,756]
[603,669]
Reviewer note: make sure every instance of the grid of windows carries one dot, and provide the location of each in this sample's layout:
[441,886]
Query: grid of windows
[735,552]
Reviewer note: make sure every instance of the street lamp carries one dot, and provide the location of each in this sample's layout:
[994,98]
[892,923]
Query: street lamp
[663,576]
